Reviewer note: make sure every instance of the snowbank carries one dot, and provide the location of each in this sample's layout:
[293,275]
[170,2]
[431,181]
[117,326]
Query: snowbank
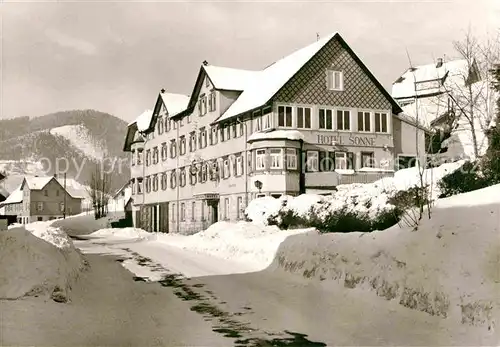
[53,235]
[253,244]
[121,233]
[448,267]
[370,200]
[31,266]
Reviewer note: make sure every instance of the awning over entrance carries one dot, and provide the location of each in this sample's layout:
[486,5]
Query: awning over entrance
[207,196]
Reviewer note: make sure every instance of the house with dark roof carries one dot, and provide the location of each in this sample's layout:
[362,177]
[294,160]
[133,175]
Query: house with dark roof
[41,199]
[306,123]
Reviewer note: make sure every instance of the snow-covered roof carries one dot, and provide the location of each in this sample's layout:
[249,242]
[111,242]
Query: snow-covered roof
[74,189]
[4,192]
[175,103]
[228,78]
[427,109]
[144,120]
[404,86]
[264,84]
[293,135]
[37,183]
[14,198]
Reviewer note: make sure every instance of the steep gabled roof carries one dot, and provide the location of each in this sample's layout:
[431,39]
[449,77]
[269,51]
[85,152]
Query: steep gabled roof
[268,82]
[15,197]
[174,103]
[38,183]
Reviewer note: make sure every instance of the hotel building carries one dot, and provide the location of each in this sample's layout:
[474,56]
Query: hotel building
[305,124]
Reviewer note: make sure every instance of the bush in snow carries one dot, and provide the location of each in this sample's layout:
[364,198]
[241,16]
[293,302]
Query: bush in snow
[464,179]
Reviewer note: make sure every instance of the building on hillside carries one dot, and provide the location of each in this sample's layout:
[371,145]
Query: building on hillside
[437,94]
[308,122]
[41,199]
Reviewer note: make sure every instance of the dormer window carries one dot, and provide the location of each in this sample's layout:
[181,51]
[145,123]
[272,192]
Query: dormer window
[335,80]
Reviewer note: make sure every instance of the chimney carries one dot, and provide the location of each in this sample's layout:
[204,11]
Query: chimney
[439,62]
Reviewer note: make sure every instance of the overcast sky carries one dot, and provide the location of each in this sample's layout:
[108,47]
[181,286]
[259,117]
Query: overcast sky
[116,56]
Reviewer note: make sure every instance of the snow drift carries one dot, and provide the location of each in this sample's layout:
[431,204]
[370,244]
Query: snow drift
[448,267]
[33,266]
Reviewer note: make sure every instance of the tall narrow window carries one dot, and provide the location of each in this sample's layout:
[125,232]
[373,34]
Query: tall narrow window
[335,80]
[192,141]
[174,212]
[182,177]
[202,210]
[312,163]
[193,210]
[276,156]
[326,161]
[183,212]
[285,116]
[164,151]
[173,179]
[260,159]
[343,120]
[239,165]
[340,161]
[226,208]
[257,120]
[226,168]
[168,124]
[148,157]
[173,149]
[303,117]
[291,159]
[182,145]
[381,122]
[163,181]
[160,125]
[239,207]
[325,119]
[364,121]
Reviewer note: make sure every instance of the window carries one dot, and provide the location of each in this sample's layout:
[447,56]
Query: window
[183,212]
[276,158]
[45,192]
[182,177]
[222,133]
[312,161]
[344,161]
[193,175]
[202,105]
[173,179]
[193,210]
[156,155]
[139,186]
[226,208]
[164,151]
[257,117]
[39,219]
[168,124]
[241,128]
[173,212]
[148,157]
[367,159]
[239,207]
[228,131]
[148,184]
[303,118]
[155,183]
[406,161]
[160,125]
[285,116]
[380,122]
[343,120]
[173,149]
[164,181]
[291,159]
[214,170]
[326,161]
[175,124]
[325,119]
[235,130]
[192,141]
[335,80]
[139,157]
[267,119]
[39,206]
[61,206]
[213,135]
[203,172]
[182,145]
[260,159]
[203,138]
[212,101]
[226,168]
[202,210]
[239,165]
[364,121]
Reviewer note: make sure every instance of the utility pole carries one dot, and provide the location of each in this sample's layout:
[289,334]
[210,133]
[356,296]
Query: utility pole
[65,192]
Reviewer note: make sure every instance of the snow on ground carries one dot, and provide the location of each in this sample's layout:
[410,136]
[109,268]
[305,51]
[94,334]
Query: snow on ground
[53,235]
[31,266]
[448,267]
[80,137]
[123,233]
[367,199]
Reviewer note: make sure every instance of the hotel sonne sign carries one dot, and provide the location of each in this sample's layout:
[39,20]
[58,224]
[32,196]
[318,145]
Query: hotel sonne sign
[349,139]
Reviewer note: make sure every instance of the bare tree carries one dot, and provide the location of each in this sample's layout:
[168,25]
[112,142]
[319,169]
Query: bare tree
[99,189]
[470,90]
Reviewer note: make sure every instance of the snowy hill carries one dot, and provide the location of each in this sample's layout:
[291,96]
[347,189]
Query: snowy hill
[71,141]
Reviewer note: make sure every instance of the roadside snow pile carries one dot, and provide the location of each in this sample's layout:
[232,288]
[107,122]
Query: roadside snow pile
[32,267]
[45,231]
[366,202]
[253,244]
[121,233]
[448,267]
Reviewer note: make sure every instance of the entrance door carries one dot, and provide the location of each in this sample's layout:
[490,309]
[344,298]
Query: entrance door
[155,218]
[215,213]
[163,217]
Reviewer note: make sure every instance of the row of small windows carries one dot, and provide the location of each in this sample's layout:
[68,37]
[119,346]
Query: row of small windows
[331,119]
[331,161]
[39,206]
